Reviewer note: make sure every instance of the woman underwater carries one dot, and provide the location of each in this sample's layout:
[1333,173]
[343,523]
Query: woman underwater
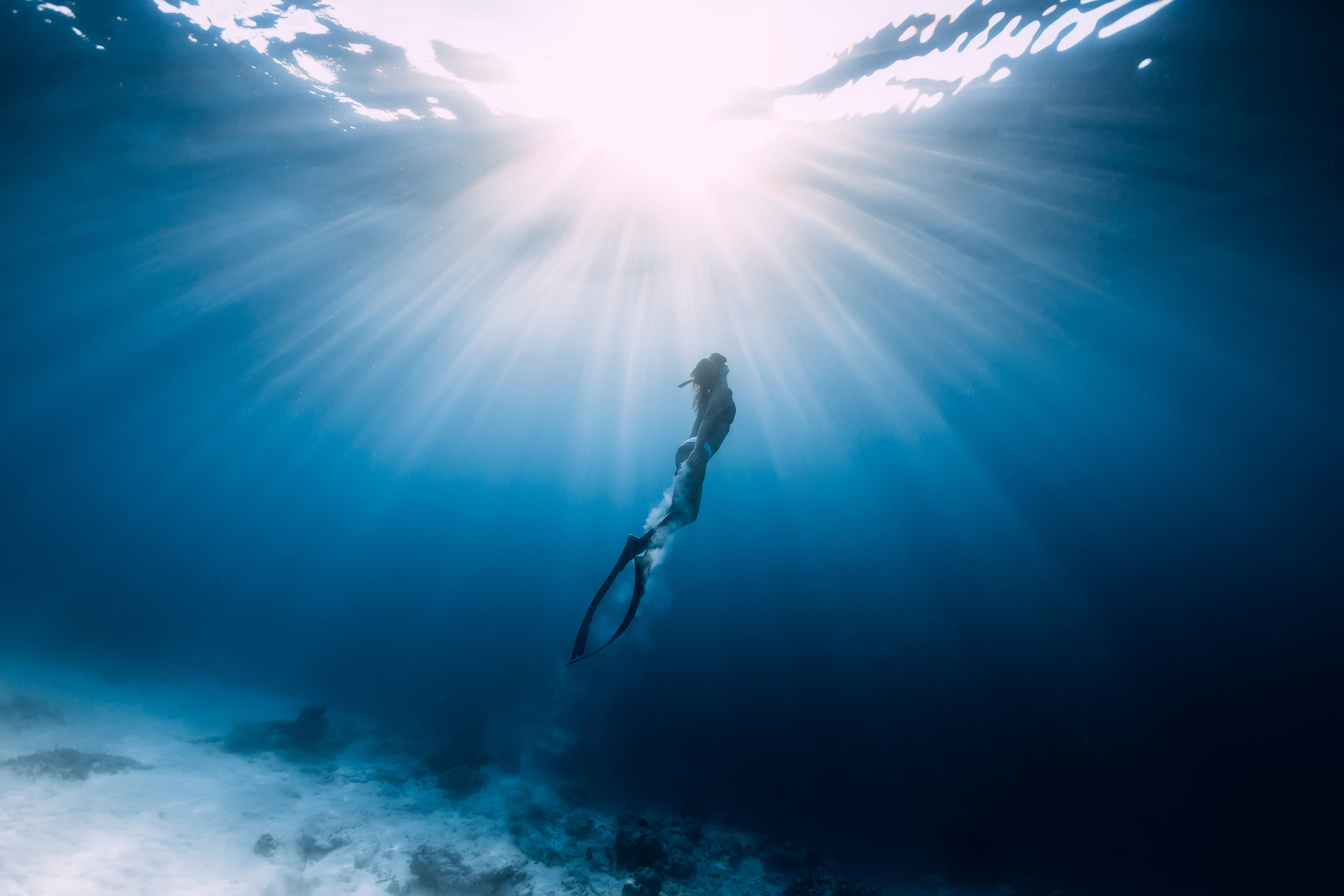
[714,414]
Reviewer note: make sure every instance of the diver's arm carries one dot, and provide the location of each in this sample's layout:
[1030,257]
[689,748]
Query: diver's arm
[699,420]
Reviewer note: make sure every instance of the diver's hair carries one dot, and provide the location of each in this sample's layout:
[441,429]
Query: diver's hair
[705,376]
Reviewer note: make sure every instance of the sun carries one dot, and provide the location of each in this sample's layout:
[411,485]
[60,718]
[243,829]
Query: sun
[686,152]
[648,84]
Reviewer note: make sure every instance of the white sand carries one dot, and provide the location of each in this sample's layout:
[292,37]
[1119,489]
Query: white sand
[194,818]
[350,824]
[189,824]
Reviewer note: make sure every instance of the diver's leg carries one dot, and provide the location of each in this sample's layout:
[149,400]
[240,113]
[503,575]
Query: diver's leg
[683,451]
[683,513]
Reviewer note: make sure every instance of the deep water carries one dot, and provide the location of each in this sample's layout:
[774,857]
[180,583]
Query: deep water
[1077,627]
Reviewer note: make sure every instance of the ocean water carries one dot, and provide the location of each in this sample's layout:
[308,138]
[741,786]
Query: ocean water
[1018,572]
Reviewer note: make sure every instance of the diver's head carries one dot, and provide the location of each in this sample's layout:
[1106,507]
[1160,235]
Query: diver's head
[708,373]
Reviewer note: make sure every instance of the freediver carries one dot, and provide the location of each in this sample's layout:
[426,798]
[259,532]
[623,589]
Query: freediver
[714,414]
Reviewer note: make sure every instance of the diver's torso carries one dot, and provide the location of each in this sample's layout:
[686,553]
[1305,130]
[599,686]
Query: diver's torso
[718,427]
[717,431]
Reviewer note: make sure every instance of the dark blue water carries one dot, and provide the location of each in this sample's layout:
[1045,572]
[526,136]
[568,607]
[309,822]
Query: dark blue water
[1072,622]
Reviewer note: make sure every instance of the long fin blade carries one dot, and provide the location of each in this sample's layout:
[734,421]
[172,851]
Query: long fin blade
[641,577]
[627,554]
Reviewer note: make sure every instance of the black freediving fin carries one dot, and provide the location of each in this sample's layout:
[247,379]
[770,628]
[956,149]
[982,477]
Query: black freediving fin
[641,576]
[633,546]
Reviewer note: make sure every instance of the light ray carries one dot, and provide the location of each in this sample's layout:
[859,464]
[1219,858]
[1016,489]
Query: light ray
[653,222]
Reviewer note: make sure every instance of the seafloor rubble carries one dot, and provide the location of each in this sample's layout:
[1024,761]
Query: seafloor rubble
[71,765]
[105,797]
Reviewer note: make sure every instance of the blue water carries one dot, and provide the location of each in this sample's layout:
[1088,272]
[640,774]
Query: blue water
[1029,576]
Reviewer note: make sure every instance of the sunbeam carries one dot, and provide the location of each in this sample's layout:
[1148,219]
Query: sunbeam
[662,197]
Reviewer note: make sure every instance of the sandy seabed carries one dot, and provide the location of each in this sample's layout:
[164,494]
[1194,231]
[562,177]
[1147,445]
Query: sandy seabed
[149,790]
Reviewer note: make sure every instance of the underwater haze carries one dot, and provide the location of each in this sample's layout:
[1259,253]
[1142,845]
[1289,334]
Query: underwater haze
[340,346]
